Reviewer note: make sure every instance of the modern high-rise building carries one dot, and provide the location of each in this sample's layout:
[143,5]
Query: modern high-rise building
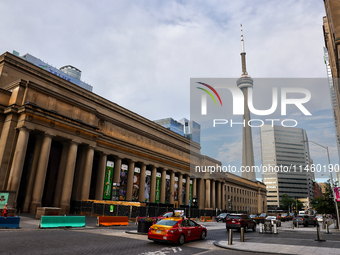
[245,82]
[331,29]
[286,164]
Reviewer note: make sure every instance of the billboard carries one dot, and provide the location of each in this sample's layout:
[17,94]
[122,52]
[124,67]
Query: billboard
[337,193]
[108,180]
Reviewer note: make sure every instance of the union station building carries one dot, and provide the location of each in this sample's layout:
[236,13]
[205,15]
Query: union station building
[60,142]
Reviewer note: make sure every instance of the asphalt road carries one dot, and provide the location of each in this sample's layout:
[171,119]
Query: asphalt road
[114,240]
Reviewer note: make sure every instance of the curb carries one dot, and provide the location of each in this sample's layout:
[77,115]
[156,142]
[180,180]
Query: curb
[136,233]
[216,243]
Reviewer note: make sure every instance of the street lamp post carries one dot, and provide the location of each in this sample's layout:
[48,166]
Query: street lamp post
[332,183]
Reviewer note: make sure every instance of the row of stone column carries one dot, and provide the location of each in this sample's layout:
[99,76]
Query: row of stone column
[214,194]
[77,183]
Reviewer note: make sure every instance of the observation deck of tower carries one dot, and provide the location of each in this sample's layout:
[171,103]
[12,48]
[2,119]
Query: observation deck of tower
[245,82]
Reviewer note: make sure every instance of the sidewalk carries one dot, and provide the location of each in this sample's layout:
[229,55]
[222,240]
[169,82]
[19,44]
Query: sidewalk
[304,246]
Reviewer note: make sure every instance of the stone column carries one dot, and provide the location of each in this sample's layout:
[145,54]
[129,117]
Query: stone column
[116,172]
[79,173]
[207,193]
[163,183]
[142,183]
[187,190]
[218,188]
[180,185]
[7,143]
[213,194]
[61,174]
[85,191]
[129,186]
[40,177]
[259,207]
[201,194]
[68,180]
[18,162]
[194,188]
[224,199]
[36,154]
[101,176]
[153,184]
[172,187]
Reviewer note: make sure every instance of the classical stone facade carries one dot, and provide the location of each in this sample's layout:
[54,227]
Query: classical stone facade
[56,140]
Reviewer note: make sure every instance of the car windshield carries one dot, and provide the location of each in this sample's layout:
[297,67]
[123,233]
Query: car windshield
[235,217]
[283,215]
[318,216]
[271,218]
[298,217]
[252,216]
[167,222]
[222,215]
[263,215]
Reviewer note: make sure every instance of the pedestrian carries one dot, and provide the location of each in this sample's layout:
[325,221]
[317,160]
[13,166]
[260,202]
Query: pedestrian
[5,211]
[126,213]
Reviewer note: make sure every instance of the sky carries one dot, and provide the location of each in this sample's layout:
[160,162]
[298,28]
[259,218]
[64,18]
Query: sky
[142,54]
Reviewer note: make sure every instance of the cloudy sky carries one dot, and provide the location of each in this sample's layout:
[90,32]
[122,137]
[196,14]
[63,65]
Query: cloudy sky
[142,54]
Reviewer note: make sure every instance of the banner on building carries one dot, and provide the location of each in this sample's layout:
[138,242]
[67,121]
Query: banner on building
[176,189]
[158,187]
[190,193]
[337,193]
[147,186]
[108,180]
[167,189]
[184,181]
[123,182]
[135,187]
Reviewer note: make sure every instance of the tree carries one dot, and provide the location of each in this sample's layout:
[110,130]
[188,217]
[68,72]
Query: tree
[325,204]
[287,202]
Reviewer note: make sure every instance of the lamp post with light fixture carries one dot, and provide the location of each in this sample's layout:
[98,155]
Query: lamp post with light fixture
[332,183]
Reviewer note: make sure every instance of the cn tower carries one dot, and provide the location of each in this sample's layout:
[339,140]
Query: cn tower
[245,82]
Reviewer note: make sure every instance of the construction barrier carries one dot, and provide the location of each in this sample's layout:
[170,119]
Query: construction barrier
[9,222]
[62,221]
[112,221]
[205,218]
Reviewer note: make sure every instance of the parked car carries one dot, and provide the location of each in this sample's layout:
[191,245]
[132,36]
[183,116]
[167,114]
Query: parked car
[274,220]
[236,221]
[176,230]
[222,217]
[305,220]
[284,217]
[319,218]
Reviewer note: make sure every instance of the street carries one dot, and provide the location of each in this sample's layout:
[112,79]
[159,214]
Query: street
[114,240]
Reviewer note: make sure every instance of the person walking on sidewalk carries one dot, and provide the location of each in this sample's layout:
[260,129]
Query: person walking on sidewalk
[5,211]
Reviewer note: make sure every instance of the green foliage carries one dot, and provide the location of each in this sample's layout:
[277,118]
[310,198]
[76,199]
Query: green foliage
[287,202]
[325,204]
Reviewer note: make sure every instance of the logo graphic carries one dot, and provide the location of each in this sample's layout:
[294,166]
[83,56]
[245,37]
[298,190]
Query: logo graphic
[204,97]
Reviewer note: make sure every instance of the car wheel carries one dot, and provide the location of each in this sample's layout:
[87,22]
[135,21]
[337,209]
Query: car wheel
[246,229]
[181,239]
[254,228]
[203,235]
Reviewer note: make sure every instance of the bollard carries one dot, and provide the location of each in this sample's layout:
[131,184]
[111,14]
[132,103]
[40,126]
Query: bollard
[297,224]
[292,225]
[230,237]
[242,234]
[327,228]
[318,233]
[261,228]
[323,225]
[335,224]
[275,228]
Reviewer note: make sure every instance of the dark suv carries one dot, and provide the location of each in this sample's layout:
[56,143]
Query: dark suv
[222,217]
[305,220]
[236,221]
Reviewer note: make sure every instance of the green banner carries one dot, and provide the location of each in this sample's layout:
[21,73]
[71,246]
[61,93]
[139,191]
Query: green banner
[158,187]
[3,199]
[108,180]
